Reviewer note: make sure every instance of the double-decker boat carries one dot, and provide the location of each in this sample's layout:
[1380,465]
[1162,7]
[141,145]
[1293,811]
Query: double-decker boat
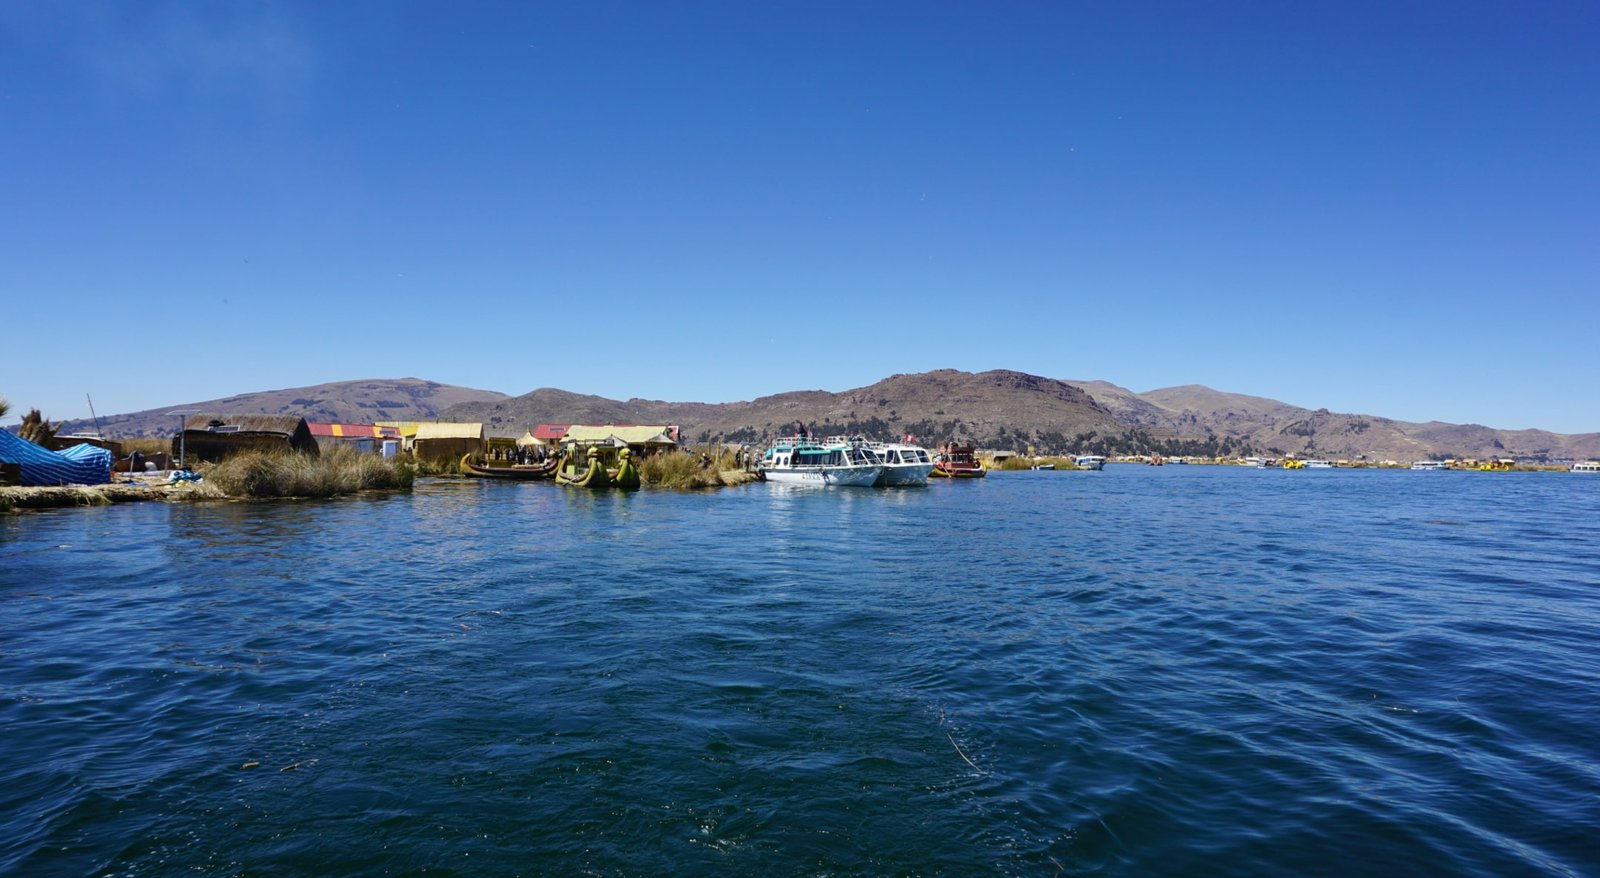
[1089,462]
[1430,465]
[957,461]
[806,461]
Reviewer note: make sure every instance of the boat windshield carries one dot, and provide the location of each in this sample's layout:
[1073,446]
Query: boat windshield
[817,457]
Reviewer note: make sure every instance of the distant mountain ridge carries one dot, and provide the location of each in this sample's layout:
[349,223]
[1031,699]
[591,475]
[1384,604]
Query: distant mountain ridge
[989,407]
[1280,428]
[1000,409]
[363,401]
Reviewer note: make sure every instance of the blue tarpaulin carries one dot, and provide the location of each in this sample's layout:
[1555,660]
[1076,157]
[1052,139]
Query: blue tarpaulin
[78,465]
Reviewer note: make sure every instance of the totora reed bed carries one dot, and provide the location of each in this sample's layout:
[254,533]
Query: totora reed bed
[289,474]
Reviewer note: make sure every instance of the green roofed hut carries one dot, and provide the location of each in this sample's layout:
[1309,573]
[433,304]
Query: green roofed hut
[643,440]
[212,437]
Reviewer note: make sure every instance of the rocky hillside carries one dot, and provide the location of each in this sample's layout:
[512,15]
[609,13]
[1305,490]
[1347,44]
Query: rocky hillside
[1000,409]
[1280,428]
[361,402]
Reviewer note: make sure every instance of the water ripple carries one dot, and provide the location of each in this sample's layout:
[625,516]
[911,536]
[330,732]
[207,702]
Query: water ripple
[1177,670]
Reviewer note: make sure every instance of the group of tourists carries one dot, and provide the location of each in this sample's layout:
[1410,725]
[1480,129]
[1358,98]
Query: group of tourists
[521,456]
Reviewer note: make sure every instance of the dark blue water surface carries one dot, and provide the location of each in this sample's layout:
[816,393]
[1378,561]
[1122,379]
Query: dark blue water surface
[1183,670]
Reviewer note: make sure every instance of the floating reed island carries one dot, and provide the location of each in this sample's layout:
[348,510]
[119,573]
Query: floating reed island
[255,474]
[261,474]
[683,470]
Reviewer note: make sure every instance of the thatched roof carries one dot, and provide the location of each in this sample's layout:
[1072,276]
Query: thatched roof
[214,436]
[449,431]
[287,425]
[629,433]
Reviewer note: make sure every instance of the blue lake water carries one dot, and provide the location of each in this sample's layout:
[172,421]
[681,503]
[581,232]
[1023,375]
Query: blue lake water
[1176,670]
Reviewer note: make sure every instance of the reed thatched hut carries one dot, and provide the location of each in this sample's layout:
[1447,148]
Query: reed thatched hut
[447,442]
[642,439]
[212,437]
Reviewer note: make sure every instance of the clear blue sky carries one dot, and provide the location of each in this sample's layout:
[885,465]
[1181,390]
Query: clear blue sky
[1377,207]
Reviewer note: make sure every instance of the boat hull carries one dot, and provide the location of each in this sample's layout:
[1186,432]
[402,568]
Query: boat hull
[593,477]
[903,474]
[626,476]
[942,472]
[844,476]
[509,473]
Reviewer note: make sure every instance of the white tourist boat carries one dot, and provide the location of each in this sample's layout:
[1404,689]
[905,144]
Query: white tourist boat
[1588,466]
[903,463]
[1319,464]
[1429,465]
[806,461]
[1089,461]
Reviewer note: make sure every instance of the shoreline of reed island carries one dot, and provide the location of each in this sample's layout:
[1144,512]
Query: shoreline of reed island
[287,475]
[250,475]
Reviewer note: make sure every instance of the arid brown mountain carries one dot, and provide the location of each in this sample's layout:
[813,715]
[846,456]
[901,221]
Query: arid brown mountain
[1279,428]
[377,399]
[1000,409]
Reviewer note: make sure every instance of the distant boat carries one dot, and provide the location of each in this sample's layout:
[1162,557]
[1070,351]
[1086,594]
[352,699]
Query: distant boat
[1256,462]
[1429,465]
[1319,464]
[956,461]
[1089,462]
[1044,466]
[1588,466]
